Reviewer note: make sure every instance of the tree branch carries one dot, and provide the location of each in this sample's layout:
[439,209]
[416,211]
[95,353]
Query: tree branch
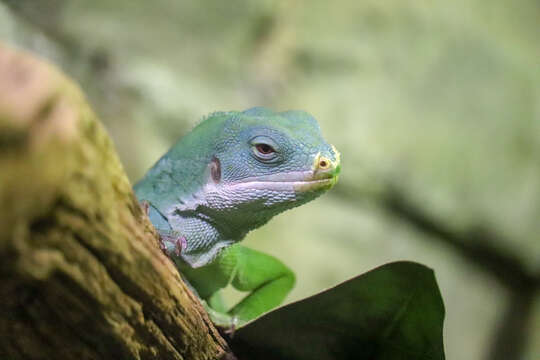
[81,272]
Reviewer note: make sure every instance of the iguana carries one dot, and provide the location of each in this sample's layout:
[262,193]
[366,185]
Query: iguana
[231,174]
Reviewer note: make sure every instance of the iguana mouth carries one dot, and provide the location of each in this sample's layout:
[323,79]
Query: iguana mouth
[316,185]
[297,181]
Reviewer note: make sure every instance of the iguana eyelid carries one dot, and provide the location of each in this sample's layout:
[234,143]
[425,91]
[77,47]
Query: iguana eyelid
[261,139]
[264,140]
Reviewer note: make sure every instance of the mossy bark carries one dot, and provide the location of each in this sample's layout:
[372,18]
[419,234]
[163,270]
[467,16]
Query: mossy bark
[81,274]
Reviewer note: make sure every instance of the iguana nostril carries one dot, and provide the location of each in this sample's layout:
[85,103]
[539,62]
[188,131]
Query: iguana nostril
[324,164]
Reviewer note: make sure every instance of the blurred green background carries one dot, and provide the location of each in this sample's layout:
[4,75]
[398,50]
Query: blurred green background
[434,105]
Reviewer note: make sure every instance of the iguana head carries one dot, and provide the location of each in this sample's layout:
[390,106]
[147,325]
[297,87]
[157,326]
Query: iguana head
[234,172]
[265,163]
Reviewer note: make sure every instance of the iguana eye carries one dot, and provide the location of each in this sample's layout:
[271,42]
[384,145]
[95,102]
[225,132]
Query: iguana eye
[264,149]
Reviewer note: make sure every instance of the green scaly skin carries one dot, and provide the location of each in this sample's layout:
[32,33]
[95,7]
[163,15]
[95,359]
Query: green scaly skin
[231,174]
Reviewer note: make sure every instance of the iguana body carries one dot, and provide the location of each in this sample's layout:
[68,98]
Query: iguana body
[231,174]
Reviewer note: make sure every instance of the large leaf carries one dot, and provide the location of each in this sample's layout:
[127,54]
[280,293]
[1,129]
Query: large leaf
[392,312]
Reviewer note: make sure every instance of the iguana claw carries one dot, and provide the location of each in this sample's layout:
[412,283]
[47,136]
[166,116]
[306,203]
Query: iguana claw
[180,245]
[232,328]
[145,206]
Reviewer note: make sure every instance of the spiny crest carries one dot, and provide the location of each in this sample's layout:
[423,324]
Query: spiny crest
[215,114]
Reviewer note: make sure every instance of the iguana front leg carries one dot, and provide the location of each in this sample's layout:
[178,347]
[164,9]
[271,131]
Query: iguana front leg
[266,278]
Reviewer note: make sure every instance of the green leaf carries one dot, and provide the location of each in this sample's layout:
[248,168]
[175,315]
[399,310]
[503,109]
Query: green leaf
[392,312]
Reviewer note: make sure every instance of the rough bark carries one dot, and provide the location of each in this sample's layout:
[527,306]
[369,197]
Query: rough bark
[81,274]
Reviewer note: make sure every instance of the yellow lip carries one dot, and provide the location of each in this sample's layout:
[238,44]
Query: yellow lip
[315,185]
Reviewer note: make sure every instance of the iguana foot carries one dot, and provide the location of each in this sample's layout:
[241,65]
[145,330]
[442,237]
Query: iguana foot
[179,242]
[227,324]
